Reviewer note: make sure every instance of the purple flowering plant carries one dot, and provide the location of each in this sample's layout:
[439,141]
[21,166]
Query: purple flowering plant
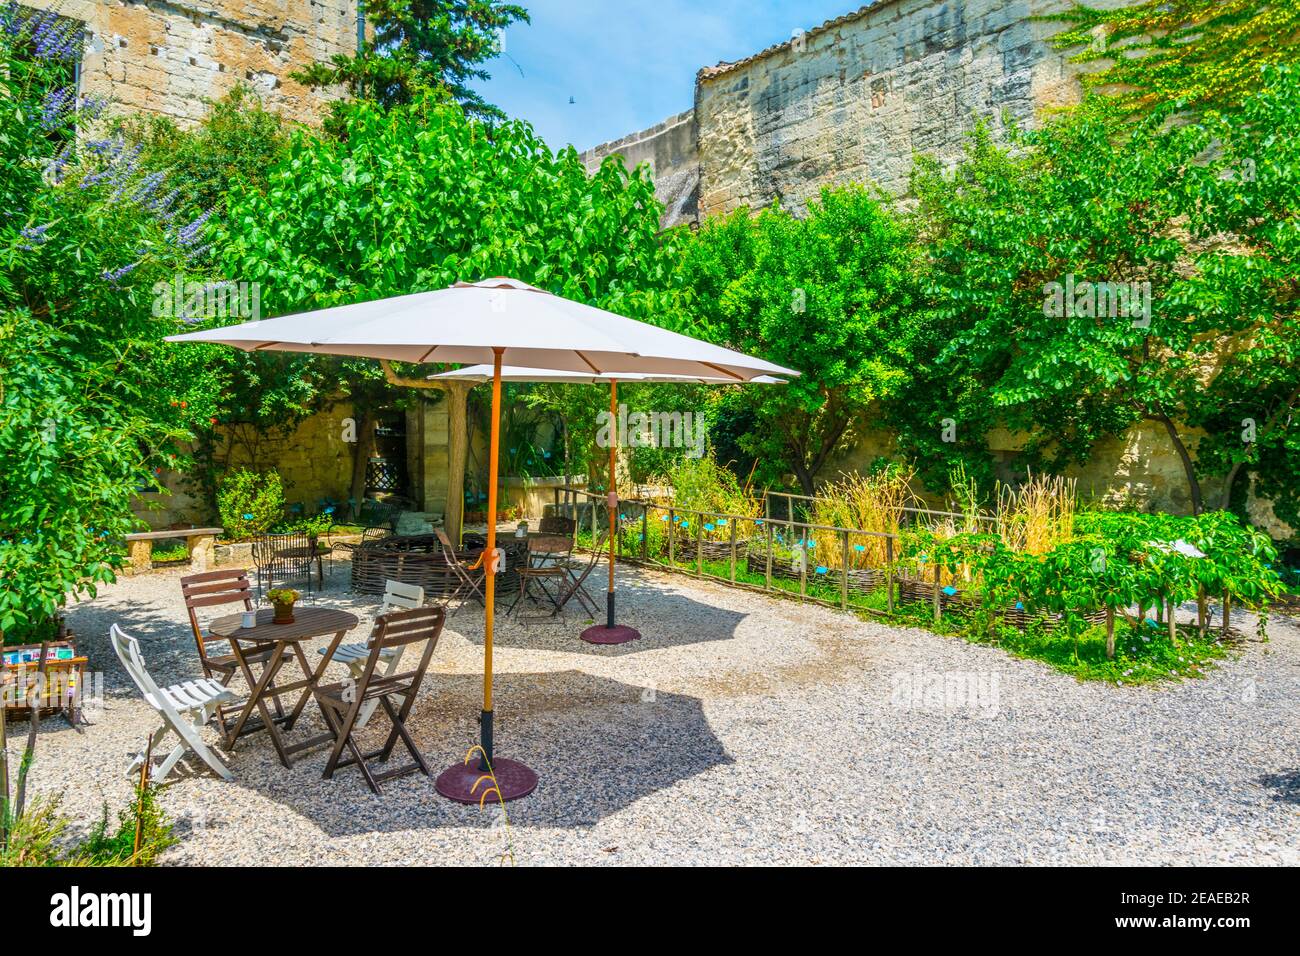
[90,406]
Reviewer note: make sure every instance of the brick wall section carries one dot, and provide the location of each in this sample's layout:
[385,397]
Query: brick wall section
[172,57]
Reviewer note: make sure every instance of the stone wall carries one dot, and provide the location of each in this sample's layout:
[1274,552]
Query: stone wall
[853,100]
[313,460]
[172,57]
[671,150]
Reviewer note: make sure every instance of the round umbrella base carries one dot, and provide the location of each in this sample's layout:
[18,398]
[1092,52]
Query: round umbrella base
[458,783]
[618,634]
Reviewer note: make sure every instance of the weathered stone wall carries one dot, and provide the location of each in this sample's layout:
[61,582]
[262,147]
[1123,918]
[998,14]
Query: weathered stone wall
[172,57]
[671,149]
[853,100]
[313,460]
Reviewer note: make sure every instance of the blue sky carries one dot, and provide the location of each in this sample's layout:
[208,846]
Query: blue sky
[628,65]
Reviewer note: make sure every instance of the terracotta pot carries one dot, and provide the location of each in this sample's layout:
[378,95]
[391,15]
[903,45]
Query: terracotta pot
[283,613]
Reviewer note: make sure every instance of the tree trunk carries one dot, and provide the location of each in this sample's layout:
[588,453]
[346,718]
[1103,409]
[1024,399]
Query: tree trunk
[361,457]
[1110,633]
[1193,484]
[805,479]
[457,453]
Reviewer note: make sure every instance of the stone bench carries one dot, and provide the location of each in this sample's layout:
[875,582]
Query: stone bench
[199,542]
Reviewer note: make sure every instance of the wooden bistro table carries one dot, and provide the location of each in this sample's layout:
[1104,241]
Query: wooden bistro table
[309,622]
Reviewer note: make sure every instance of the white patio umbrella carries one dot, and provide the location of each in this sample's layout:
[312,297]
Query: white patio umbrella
[500,321]
[610,632]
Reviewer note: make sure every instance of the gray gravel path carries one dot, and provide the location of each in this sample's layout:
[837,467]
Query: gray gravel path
[741,729]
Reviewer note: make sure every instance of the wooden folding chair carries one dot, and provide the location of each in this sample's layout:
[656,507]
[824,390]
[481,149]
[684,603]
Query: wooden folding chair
[558,524]
[469,578]
[576,579]
[396,596]
[546,561]
[342,703]
[215,589]
[184,707]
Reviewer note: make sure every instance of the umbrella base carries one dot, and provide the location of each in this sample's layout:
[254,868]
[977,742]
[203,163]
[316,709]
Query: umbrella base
[602,634]
[465,782]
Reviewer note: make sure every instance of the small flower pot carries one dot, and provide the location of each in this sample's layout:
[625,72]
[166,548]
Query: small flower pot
[283,613]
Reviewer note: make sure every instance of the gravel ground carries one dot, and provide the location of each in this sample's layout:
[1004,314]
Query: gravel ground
[740,729]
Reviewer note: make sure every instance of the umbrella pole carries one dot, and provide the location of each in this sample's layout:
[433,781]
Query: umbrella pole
[488,777]
[611,633]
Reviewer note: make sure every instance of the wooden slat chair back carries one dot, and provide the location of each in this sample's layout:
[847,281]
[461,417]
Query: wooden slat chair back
[558,524]
[547,560]
[469,580]
[397,596]
[221,588]
[185,708]
[342,703]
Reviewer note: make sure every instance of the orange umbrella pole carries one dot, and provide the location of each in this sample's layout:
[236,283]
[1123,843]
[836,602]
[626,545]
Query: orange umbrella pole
[610,632]
[491,777]
[489,591]
[611,503]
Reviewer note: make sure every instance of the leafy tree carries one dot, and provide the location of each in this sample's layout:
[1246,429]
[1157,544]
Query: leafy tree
[1244,209]
[1183,208]
[234,147]
[1031,254]
[833,295]
[1198,54]
[420,196]
[90,407]
[422,47]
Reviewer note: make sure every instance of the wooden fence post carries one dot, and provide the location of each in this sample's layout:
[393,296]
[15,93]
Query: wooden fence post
[803,564]
[767,523]
[672,539]
[731,523]
[889,573]
[938,607]
[699,545]
[844,569]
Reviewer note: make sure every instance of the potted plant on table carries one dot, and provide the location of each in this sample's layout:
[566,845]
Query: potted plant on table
[282,599]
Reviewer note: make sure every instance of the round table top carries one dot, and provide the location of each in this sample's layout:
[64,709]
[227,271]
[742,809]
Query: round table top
[308,622]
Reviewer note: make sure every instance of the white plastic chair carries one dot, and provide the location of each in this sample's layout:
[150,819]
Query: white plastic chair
[185,708]
[396,595]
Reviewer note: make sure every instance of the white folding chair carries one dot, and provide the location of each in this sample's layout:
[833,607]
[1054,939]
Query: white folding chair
[397,595]
[185,708]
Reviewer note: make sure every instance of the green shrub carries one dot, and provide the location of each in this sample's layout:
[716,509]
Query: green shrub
[250,502]
[39,836]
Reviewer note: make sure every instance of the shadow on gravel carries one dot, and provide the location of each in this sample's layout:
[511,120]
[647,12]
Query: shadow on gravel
[598,746]
[665,618]
[1286,786]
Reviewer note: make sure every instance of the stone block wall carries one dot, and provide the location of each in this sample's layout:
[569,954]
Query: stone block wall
[853,100]
[172,57]
[671,149]
[313,460]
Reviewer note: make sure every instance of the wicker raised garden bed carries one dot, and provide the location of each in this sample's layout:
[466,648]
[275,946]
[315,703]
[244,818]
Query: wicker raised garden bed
[417,559]
[63,685]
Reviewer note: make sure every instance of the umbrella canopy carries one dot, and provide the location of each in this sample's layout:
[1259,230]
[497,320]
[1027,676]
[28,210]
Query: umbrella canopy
[514,373]
[499,321]
[465,323]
